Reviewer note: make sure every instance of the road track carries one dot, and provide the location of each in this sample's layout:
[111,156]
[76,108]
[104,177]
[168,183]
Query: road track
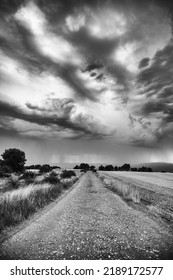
[90,222]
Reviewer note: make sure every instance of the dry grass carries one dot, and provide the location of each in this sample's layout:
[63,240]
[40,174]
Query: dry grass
[18,204]
[128,192]
[155,200]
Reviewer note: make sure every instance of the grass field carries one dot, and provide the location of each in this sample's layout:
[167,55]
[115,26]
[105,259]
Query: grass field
[153,191]
[21,196]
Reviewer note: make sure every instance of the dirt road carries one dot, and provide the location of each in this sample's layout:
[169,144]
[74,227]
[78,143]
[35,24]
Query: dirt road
[90,222]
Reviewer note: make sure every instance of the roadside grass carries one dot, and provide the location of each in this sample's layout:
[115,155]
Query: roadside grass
[156,204]
[20,201]
[128,192]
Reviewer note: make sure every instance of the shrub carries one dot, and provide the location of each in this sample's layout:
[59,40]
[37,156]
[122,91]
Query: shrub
[45,168]
[68,183]
[67,174]
[4,171]
[52,178]
[13,183]
[28,175]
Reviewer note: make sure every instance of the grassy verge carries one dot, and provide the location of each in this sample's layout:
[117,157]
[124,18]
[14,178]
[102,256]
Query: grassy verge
[128,192]
[153,203]
[18,204]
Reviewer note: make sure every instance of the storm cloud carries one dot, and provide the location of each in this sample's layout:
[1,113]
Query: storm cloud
[87,70]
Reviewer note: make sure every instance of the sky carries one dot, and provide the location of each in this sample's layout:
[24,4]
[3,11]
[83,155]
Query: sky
[87,81]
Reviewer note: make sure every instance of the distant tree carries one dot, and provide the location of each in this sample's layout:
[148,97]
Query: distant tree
[67,174]
[76,167]
[134,169]
[45,168]
[101,168]
[14,159]
[109,168]
[33,166]
[150,169]
[116,168]
[84,166]
[92,167]
[56,167]
[125,167]
[143,169]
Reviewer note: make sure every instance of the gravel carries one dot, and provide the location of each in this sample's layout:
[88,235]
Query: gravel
[90,222]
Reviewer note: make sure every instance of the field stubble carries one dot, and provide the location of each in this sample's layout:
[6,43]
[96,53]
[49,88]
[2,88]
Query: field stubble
[143,192]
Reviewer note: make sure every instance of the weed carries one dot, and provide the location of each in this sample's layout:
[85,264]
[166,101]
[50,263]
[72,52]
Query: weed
[52,178]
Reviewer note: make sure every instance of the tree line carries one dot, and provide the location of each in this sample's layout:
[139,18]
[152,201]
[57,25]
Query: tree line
[13,160]
[124,167]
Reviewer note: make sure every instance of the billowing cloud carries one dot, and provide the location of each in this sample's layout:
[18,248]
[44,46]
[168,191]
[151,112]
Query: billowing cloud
[57,113]
[87,70]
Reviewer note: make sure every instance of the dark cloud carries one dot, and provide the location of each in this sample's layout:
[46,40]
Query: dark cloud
[62,107]
[166,94]
[59,113]
[100,77]
[93,66]
[23,48]
[157,84]
[100,50]
[154,79]
[144,62]
[10,6]
[160,72]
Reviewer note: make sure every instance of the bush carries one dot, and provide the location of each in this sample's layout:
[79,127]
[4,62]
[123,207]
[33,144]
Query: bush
[13,183]
[52,178]
[29,177]
[67,174]
[45,168]
[4,171]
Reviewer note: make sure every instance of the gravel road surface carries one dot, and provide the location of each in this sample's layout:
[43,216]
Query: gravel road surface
[90,222]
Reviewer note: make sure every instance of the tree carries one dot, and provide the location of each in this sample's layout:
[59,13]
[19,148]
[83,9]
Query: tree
[125,167]
[45,168]
[150,169]
[101,168]
[92,168]
[109,168]
[14,159]
[134,169]
[84,166]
